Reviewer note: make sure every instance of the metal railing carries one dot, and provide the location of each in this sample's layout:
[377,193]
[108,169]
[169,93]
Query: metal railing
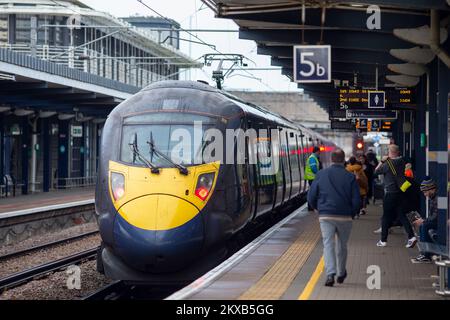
[93,62]
[27,61]
[75,182]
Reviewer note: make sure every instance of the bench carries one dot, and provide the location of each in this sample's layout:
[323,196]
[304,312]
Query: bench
[442,263]
[9,186]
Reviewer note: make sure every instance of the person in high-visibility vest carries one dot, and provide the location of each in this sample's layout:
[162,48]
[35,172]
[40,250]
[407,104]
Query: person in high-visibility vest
[312,165]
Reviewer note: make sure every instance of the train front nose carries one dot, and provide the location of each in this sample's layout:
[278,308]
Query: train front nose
[158,233]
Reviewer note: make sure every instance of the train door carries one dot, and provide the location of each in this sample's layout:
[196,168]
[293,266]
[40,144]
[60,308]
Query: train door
[301,161]
[76,151]
[286,166]
[265,178]
[279,176]
[307,148]
[245,181]
[294,164]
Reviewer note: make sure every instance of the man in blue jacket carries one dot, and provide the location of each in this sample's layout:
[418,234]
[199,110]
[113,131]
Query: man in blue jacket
[335,195]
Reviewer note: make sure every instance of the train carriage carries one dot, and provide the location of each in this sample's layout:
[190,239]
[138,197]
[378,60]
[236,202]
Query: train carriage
[161,207]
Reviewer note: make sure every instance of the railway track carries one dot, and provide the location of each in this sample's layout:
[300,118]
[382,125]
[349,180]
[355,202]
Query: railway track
[27,275]
[46,245]
[113,291]
[119,290]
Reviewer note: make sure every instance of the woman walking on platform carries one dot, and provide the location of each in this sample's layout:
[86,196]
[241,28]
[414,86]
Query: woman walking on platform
[357,169]
[368,171]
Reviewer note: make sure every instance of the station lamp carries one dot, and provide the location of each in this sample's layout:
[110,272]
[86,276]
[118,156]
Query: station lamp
[360,145]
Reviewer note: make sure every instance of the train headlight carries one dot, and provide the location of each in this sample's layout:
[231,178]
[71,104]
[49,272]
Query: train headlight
[117,185]
[204,185]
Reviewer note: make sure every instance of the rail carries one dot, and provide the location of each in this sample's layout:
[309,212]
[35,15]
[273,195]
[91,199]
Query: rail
[47,245]
[18,278]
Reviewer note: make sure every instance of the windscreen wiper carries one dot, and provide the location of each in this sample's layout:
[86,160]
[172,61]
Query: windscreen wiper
[153,149]
[135,150]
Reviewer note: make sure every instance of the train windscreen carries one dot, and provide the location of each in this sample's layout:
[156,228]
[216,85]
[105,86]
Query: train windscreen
[178,136]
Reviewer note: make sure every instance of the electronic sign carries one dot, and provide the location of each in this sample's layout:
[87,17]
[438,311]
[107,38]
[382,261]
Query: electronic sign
[370,114]
[355,98]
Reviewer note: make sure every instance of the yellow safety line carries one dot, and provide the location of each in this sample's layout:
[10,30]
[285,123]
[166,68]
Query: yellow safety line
[312,282]
[281,274]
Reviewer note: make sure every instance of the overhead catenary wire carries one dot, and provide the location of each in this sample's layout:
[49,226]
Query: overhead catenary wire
[198,38]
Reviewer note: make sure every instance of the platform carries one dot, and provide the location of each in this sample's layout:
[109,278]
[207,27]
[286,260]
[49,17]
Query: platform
[287,265]
[45,199]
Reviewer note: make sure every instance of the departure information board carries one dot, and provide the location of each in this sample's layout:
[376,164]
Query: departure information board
[354,98]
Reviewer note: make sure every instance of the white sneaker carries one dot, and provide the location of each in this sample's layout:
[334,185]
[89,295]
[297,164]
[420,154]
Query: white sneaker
[411,242]
[381,244]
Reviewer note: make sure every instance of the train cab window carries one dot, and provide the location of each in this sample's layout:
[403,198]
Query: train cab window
[174,135]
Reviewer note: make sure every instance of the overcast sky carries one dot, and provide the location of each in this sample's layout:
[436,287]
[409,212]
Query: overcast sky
[192,14]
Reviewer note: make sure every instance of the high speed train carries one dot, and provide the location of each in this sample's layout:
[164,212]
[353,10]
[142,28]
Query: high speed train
[159,209]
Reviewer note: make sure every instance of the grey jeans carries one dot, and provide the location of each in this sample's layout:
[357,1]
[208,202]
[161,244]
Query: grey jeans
[331,229]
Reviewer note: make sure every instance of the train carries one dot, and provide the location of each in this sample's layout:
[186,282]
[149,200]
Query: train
[160,207]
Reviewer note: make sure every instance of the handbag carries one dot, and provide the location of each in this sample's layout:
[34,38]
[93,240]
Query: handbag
[402,183]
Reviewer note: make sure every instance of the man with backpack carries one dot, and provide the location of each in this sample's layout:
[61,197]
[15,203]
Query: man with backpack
[395,183]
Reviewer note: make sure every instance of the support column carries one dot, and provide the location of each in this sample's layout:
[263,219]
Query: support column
[25,153]
[441,156]
[33,35]
[419,152]
[63,153]
[47,165]
[83,150]
[2,148]
[12,29]
[433,117]
[33,154]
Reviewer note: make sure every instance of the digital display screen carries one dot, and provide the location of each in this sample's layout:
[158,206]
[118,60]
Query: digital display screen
[353,98]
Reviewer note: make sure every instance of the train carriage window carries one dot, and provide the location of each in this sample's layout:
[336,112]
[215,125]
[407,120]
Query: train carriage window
[175,135]
[293,157]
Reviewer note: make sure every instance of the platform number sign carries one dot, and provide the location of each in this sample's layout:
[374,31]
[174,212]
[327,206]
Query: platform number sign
[312,64]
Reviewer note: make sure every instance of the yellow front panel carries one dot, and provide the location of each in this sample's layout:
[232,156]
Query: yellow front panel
[157,212]
[160,201]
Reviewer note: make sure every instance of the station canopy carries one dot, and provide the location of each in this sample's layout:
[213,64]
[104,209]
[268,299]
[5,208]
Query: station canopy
[359,54]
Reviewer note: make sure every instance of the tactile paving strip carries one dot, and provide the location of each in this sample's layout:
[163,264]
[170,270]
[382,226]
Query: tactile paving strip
[280,276]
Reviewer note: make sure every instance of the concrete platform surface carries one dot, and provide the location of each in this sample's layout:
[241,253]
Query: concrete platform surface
[44,199]
[288,265]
